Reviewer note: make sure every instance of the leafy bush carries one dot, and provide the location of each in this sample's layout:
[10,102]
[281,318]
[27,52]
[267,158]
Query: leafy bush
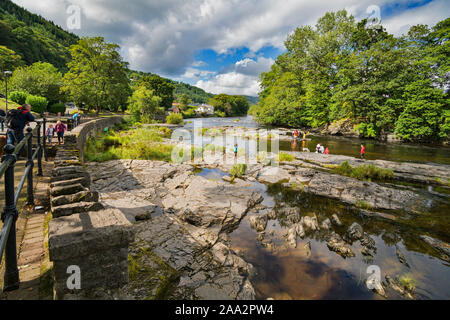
[238,170]
[364,172]
[367,130]
[363,204]
[190,113]
[18,97]
[408,283]
[38,104]
[58,107]
[174,118]
[285,157]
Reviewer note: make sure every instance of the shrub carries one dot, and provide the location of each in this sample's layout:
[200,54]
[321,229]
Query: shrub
[38,104]
[408,283]
[363,205]
[174,118]
[58,107]
[238,170]
[364,172]
[18,97]
[285,157]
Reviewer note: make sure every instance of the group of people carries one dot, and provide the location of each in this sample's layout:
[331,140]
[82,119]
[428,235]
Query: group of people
[17,119]
[59,129]
[296,134]
[322,149]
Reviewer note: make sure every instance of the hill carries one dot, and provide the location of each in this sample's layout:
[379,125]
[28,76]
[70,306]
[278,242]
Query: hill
[33,37]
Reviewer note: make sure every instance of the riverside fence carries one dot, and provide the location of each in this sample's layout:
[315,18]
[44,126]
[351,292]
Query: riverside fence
[10,213]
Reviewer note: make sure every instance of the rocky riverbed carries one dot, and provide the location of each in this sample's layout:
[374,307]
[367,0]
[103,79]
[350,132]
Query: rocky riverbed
[187,224]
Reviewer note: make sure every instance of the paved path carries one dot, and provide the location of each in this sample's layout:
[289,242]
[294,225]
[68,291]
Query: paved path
[33,260]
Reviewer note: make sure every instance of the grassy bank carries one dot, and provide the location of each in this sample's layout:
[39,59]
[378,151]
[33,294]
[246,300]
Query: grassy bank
[364,172]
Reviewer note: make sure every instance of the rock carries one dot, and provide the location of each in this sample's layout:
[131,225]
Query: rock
[84,181]
[299,229]
[307,248]
[272,215]
[258,222]
[226,178]
[85,196]
[61,171]
[366,252]
[326,224]
[336,244]
[352,191]
[292,237]
[441,247]
[335,220]
[273,175]
[260,236]
[78,207]
[355,231]
[310,223]
[67,190]
[375,284]
[368,242]
[395,285]
[146,215]
[401,257]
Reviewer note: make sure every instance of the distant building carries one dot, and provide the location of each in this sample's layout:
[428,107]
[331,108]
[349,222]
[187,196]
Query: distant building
[175,108]
[205,109]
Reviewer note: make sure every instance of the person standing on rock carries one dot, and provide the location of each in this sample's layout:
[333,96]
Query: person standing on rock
[363,151]
[327,151]
[60,128]
[235,150]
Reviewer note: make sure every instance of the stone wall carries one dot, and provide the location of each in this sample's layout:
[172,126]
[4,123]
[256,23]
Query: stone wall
[80,134]
[83,235]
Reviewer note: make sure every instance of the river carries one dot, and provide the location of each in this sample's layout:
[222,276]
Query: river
[311,270]
[339,145]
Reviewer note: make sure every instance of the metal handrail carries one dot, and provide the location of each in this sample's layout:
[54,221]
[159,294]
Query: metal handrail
[10,213]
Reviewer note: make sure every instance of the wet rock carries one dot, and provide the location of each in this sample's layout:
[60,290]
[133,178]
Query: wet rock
[310,223]
[292,214]
[146,215]
[258,222]
[299,229]
[335,220]
[272,215]
[355,231]
[273,175]
[401,257]
[395,285]
[260,236]
[375,284]
[368,242]
[366,252]
[336,244]
[441,247]
[292,237]
[326,224]
[307,248]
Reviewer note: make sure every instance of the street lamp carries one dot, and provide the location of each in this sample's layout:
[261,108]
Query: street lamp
[6,73]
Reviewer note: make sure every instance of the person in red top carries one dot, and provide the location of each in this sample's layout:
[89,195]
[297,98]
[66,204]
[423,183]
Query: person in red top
[327,151]
[60,128]
[363,151]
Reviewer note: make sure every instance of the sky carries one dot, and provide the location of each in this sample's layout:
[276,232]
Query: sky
[221,46]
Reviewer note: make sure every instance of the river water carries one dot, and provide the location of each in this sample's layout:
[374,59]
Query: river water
[338,145]
[312,271]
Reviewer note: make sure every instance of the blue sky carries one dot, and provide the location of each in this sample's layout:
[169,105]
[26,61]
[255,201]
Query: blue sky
[221,46]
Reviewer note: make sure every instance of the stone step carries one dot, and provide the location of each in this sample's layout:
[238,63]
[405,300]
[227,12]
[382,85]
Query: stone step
[67,190]
[70,177]
[79,207]
[82,196]
[61,171]
[82,180]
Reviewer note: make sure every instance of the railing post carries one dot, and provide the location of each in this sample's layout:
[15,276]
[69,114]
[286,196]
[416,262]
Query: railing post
[30,162]
[11,278]
[39,155]
[44,142]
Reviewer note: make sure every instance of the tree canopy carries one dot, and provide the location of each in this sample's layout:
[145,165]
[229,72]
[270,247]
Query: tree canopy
[227,105]
[97,76]
[344,69]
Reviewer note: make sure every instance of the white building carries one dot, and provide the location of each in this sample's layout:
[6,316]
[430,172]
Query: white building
[205,109]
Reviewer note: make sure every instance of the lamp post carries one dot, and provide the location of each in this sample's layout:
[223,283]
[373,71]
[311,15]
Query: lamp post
[6,73]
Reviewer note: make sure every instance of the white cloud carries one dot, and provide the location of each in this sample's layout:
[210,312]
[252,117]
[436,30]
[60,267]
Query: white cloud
[164,36]
[240,78]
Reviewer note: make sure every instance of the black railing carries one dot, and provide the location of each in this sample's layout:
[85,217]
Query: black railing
[10,213]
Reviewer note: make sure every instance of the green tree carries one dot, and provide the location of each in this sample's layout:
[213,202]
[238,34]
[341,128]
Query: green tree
[40,79]
[184,101]
[144,104]
[97,75]
[229,105]
[161,88]
[9,60]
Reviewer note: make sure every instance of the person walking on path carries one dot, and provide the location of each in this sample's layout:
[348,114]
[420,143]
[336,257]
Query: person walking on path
[16,120]
[363,151]
[60,128]
[2,118]
[50,133]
